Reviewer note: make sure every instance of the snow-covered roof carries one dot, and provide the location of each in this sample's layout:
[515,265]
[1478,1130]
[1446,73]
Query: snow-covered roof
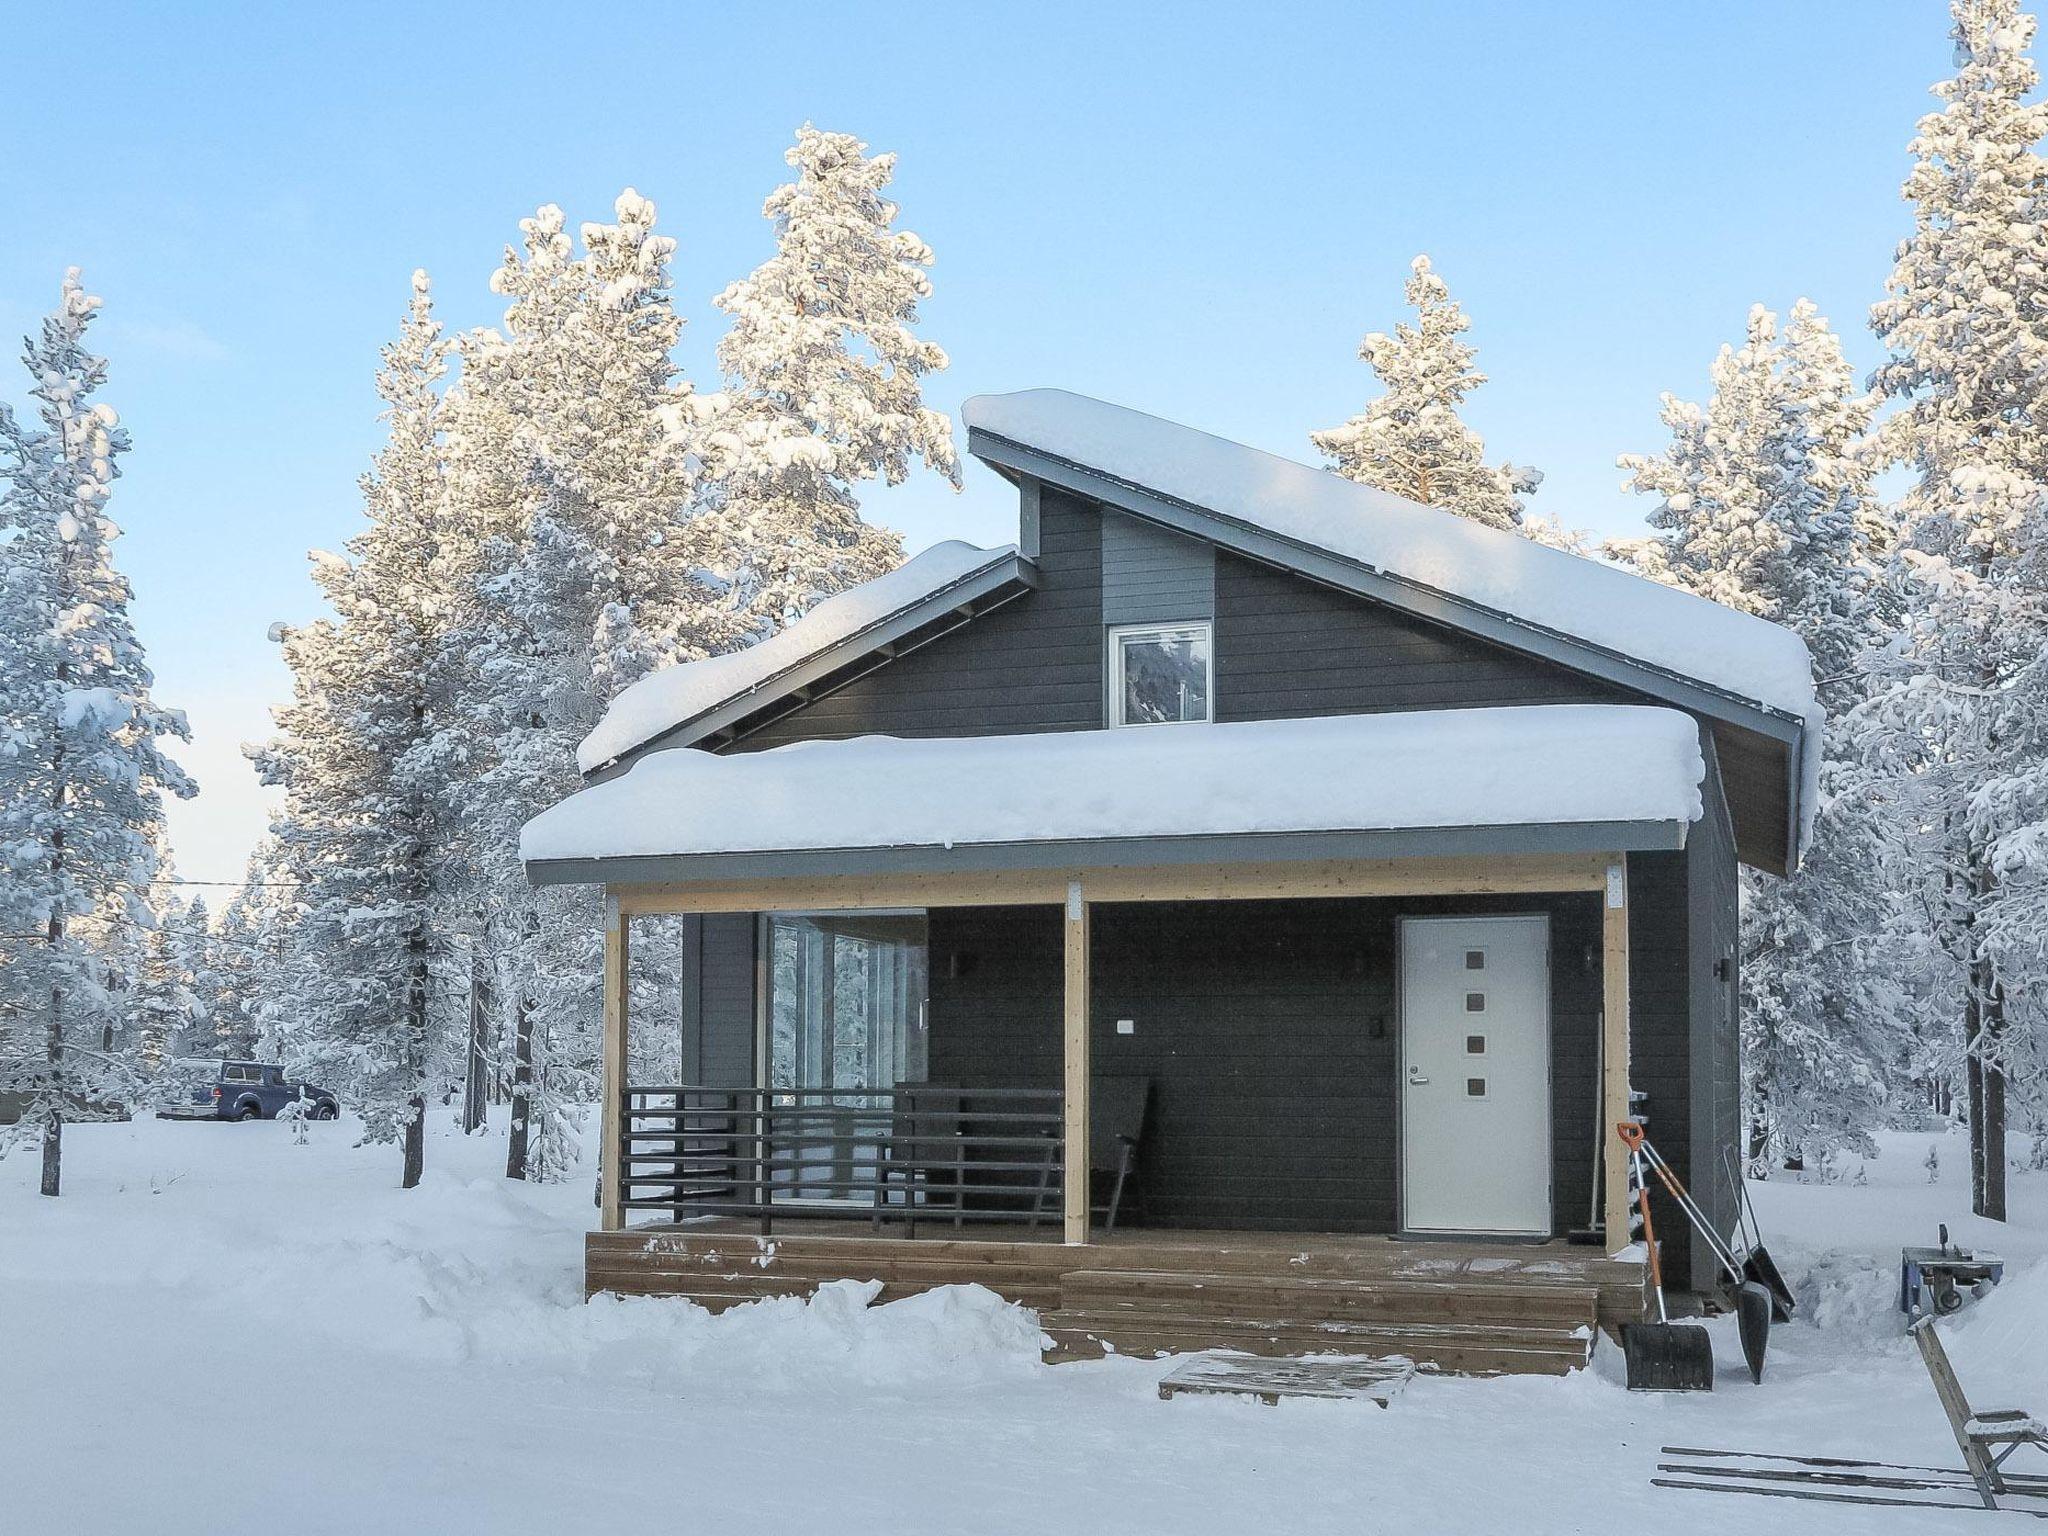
[1551,589]
[663,700]
[1461,768]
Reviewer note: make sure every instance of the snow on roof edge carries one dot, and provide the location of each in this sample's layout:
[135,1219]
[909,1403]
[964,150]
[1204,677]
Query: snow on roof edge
[673,696]
[1411,770]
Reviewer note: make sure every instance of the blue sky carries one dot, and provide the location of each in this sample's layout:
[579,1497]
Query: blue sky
[1192,209]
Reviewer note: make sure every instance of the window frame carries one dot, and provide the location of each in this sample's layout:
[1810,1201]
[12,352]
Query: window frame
[1113,710]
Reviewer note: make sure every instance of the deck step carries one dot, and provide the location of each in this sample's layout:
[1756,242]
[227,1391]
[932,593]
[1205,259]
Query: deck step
[1466,1349]
[1460,1308]
[1317,1299]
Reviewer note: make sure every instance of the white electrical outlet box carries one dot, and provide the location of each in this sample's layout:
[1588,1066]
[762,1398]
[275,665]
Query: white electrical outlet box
[1127,1026]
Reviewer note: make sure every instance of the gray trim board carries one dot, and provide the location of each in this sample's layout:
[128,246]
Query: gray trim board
[1152,576]
[1028,538]
[1117,853]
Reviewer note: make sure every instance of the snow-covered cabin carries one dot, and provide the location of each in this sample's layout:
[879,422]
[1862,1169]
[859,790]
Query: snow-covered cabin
[1300,868]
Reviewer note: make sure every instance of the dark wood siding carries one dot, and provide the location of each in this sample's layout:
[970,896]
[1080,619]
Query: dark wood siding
[997,984]
[1287,647]
[723,1040]
[1660,997]
[1034,664]
[1269,1033]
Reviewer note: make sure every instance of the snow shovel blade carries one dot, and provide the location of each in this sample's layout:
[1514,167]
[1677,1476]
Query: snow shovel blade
[1760,1269]
[1668,1357]
[1753,1318]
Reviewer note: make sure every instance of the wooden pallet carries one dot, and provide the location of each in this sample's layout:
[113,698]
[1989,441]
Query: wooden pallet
[1372,1380]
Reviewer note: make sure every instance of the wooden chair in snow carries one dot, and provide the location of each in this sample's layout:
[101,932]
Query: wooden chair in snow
[1986,1439]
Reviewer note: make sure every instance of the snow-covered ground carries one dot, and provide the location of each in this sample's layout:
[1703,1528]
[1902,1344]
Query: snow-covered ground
[215,1330]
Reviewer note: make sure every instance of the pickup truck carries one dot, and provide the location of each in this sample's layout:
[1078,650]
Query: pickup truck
[246,1090]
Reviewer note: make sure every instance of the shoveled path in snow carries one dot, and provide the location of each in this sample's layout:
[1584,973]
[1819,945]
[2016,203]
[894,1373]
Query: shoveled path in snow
[215,1330]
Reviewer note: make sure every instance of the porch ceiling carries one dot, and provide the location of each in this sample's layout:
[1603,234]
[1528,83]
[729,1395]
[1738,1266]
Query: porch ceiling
[1545,781]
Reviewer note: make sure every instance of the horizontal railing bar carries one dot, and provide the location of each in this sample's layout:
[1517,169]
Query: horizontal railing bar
[937,1216]
[908,1090]
[931,1146]
[816,1178]
[879,1119]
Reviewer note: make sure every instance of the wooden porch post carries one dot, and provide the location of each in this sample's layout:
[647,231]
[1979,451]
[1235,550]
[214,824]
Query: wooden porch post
[1074,1192]
[1614,1105]
[611,1180]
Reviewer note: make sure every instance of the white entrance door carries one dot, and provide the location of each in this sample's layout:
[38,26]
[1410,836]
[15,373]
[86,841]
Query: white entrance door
[1475,1096]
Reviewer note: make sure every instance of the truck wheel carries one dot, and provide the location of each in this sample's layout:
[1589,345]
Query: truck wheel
[325,1112]
[248,1112]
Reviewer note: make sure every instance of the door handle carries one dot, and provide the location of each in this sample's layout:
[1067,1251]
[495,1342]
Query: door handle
[1415,1078]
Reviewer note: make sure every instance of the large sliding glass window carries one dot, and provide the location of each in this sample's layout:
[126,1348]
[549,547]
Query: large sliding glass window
[846,1013]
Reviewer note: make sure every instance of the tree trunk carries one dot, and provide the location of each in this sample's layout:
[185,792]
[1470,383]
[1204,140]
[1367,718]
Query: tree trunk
[415,1141]
[1992,1207]
[53,1150]
[416,1048]
[53,1088]
[1988,1185]
[476,1081]
[522,1090]
[1973,1085]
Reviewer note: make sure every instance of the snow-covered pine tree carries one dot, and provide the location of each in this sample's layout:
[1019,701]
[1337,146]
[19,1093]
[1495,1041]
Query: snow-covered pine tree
[1960,718]
[1411,441]
[537,664]
[81,755]
[570,467]
[1765,505]
[362,769]
[824,390]
[161,1006]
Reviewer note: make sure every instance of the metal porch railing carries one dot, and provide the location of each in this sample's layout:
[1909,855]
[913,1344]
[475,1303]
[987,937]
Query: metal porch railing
[917,1154]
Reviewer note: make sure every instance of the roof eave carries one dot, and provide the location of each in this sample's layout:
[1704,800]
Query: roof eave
[1122,853]
[970,595]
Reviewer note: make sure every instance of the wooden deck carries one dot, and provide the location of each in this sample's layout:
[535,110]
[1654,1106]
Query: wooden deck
[1456,1306]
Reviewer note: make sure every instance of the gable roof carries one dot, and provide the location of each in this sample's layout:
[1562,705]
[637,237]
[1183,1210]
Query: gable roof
[1750,679]
[1556,778]
[689,698]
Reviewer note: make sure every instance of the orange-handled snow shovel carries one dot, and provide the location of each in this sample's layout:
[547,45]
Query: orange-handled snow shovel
[1662,1356]
[1752,1300]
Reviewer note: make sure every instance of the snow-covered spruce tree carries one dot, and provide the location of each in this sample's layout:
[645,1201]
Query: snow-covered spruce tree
[1411,441]
[163,1008]
[570,467]
[1765,505]
[81,756]
[361,768]
[824,378]
[254,951]
[1959,719]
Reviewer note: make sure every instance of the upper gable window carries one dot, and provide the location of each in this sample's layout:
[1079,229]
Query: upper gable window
[1160,673]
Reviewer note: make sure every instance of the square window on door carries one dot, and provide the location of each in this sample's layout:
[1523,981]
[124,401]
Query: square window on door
[1475,1045]
[1475,959]
[1475,1087]
[1475,1002]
